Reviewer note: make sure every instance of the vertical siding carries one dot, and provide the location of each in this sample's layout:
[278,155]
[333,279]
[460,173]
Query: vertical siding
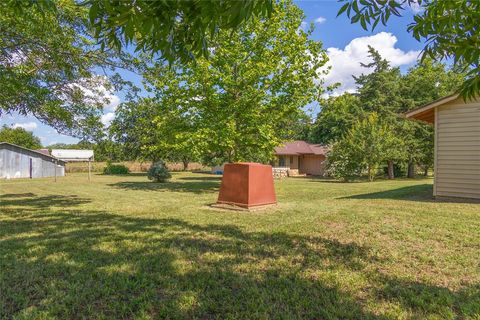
[294,164]
[15,163]
[313,164]
[458,149]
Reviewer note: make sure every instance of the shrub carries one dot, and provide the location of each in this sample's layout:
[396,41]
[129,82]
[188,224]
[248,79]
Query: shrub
[340,164]
[115,169]
[158,172]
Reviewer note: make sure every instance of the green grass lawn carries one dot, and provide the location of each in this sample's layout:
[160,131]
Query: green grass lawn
[121,247]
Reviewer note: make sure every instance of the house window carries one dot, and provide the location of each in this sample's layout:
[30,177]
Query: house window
[291,161]
[281,161]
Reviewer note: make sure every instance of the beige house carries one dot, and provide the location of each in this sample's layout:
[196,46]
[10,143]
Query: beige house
[457,145]
[301,157]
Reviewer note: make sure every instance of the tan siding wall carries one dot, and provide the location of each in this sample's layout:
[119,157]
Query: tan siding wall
[313,164]
[294,163]
[458,150]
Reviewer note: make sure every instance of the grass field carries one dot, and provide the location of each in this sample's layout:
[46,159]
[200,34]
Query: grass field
[121,247]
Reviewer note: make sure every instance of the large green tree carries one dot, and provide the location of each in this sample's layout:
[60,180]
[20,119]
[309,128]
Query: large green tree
[425,82]
[48,65]
[20,137]
[380,90]
[364,147]
[134,129]
[255,81]
[449,29]
[336,117]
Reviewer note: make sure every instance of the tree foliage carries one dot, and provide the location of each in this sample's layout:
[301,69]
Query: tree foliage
[380,90]
[47,66]
[449,28]
[363,148]
[175,29]
[387,93]
[20,137]
[337,116]
[133,128]
[238,104]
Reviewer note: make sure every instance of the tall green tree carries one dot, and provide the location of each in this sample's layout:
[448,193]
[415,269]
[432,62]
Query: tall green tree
[20,137]
[428,81]
[336,117]
[364,147]
[134,129]
[380,90]
[389,93]
[255,81]
[299,127]
[449,30]
[425,82]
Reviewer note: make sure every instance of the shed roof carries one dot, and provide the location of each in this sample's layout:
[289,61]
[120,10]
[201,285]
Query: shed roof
[426,112]
[44,151]
[4,145]
[300,147]
[73,154]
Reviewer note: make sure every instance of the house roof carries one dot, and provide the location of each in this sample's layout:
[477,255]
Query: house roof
[426,112]
[300,147]
[42,154]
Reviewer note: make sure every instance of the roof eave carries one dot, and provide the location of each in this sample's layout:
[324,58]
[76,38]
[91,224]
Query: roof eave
[426,112]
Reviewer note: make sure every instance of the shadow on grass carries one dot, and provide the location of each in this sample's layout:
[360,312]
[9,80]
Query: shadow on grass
[421,192]
[175,186]
[94,264]
[214,178]
[361,179]
[30,200]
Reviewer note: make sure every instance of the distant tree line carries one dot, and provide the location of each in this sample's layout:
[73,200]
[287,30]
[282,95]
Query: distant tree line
[19,137]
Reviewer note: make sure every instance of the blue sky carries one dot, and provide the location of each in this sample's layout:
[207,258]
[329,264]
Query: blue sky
[346,45]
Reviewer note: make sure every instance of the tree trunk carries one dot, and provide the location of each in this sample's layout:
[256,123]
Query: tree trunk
[185,165]
[425,171]
[391,173]
[411,170]
[370,177]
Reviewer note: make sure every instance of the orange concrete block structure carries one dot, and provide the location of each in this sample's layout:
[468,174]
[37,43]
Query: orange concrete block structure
[247,185]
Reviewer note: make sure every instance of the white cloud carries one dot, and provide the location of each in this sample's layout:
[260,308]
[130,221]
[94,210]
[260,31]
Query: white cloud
[346,62]
[320,20]
[27,125]
[114,101]
[96,88]
[107,118]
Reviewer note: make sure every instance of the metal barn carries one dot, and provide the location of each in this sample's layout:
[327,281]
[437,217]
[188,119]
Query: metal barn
[19,162]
